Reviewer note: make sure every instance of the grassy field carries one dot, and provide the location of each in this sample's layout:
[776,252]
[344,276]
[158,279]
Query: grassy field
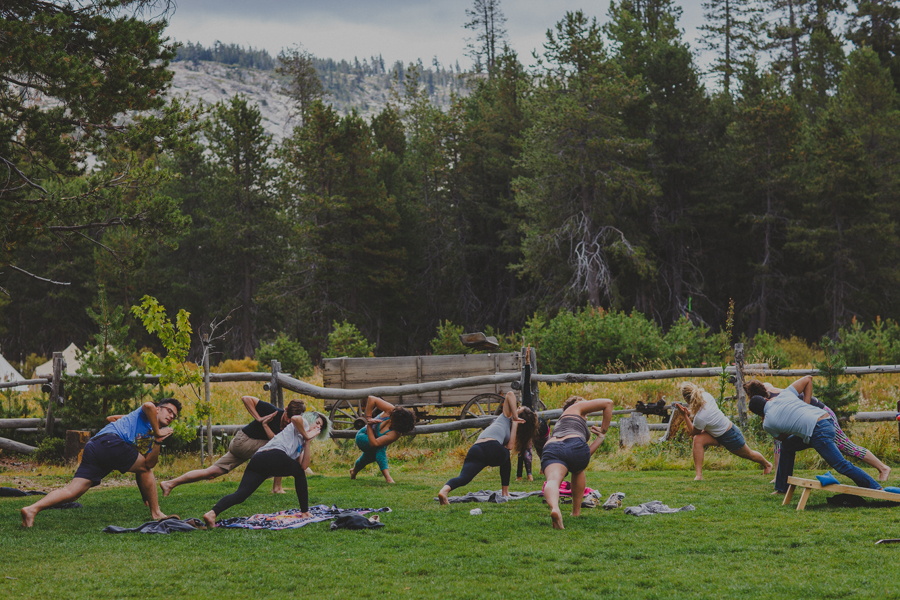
[740,542]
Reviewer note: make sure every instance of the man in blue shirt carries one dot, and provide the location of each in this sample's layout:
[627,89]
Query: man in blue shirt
[799,426]
[130,443]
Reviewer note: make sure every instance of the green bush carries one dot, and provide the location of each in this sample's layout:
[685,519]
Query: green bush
[446,340]
[50,450]
[347,340]
[839,397]
[293,357]
[767,350]
[876,345]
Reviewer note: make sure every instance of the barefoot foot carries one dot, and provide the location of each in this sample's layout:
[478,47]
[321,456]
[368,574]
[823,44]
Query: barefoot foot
[352,474]
[883,475]
[767,468]
[556,519]
[698,478]
[442,498]
[28,516]
[166,487]
[389,479]
[210,519]
[278,491]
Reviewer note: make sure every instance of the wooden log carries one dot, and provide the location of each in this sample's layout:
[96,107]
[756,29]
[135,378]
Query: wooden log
[20,423]
[634,431]
[640,376]
[11,384]
[273,385]
[75,443]
[739,384]
[59,366]
[871,417]
[206,396]
[301,387]
[13,446]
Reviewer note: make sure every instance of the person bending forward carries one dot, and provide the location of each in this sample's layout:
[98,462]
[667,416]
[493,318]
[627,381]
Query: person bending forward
[567,451]
[511,431]
[128,444]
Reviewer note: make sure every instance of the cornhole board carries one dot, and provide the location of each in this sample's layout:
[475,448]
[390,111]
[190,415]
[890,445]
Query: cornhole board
[809,485]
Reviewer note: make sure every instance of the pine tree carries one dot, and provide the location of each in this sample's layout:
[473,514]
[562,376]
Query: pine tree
[581,169]
[486,21]
[876,24]
[731,30]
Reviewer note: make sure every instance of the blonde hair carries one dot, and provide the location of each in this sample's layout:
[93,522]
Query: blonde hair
[693,395]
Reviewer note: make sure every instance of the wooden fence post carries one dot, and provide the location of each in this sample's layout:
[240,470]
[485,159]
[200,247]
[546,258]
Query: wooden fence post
[59,364]
[276,396]
[739,383]
[209,437]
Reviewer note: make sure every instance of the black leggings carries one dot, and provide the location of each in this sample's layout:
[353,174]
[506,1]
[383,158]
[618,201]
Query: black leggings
[484,454]
[265,464]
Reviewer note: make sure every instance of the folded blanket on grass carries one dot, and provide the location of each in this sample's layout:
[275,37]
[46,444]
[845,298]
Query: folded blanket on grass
[166,526]
[8,492]
[489,496]
[655,507]
[290,519]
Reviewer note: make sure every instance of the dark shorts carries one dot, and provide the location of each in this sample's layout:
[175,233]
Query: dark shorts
[732,440]
[103,455]
[574,453]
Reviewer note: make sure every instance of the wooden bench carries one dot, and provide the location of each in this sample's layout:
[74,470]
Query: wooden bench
[809,485]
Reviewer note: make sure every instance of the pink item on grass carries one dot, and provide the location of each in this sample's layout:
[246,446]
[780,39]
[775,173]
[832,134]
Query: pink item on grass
[566,490]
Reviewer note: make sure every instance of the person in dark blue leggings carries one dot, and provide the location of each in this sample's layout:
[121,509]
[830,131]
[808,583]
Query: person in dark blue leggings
[286,455]
[512,430]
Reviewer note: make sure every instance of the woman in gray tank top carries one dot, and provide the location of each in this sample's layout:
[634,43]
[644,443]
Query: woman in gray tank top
[568,450]
[512,430]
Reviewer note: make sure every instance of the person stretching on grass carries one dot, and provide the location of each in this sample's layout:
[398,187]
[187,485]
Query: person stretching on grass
[567,451]
[754,387]
[799,426]
[285,455]
[379,433]
[268,421]
[511,431]
[710,427]
[128,444]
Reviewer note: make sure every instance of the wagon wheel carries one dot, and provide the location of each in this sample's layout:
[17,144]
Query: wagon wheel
[347,415]
[482,405]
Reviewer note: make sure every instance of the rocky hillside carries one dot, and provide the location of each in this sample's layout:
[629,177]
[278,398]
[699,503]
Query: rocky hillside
[348,89]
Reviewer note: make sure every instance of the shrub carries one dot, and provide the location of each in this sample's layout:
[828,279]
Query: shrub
[766,350]
[50,450]
[446,340]
[347,340]
[839,397]
[877,345]
[293,357]
[246,365]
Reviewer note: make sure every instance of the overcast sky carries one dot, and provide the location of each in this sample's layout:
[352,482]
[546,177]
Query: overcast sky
[397,29]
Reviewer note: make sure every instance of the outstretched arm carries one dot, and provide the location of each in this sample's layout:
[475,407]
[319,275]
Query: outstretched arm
[250,404]
[591,406]
[687,419]
[804,387]
[300,425]
[511,411]
[374,401]
[113,418]
[150,412]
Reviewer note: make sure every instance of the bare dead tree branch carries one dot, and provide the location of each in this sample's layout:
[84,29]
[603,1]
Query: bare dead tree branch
[24,272]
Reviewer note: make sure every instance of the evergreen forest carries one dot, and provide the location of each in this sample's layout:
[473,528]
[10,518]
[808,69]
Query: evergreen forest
[611,175]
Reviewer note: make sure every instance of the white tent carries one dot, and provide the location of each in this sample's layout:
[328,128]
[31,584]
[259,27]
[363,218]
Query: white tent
[46,370]
[8,373]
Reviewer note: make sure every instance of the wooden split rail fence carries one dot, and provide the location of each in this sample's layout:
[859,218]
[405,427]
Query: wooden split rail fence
[277,381]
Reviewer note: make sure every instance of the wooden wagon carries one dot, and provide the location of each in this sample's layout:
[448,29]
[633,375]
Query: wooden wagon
[469,402]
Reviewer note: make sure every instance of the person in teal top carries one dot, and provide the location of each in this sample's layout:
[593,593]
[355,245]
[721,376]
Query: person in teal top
[374,438]
[129,444]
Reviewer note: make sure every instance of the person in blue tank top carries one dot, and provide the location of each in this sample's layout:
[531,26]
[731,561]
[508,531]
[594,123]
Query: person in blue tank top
[128,444]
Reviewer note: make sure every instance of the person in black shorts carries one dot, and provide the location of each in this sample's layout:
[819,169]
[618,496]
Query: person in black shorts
[128,444]
[567,451]
[268,421]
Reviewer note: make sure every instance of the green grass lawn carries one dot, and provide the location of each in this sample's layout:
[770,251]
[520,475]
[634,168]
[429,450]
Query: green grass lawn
[740,542]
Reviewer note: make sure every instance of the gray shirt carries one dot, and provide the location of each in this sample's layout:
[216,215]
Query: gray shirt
[498,430]
[787,413]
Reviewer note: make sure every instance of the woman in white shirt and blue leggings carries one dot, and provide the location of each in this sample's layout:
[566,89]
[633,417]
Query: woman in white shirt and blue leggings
[710,427]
